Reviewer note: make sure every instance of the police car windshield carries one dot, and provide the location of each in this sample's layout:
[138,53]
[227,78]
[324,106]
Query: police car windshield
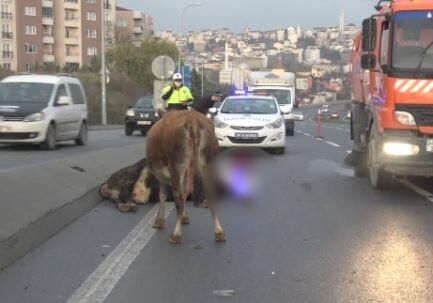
[249,106]
[25,92]
[413,33]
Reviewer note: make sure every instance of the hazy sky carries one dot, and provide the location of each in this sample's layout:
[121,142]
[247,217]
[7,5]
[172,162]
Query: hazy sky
[260,15]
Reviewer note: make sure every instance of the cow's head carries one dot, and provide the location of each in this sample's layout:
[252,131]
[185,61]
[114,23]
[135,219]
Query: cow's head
[143,187]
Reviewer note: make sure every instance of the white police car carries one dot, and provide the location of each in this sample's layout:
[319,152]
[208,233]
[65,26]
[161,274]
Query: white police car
[250,121]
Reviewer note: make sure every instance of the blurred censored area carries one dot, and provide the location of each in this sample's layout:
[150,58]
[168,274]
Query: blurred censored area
[246,175]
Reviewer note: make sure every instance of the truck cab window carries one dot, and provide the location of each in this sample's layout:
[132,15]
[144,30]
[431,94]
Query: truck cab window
[384,50]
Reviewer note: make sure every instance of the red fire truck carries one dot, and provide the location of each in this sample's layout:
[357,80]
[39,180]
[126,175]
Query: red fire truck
[392,80]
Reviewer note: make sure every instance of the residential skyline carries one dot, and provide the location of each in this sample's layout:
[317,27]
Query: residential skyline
[239,14]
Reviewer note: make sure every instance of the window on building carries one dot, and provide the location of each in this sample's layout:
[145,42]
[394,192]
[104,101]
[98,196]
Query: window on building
[30,30]
[92,51]
[47,12]
[91,33]
[6,66]
[91,16]
[30,48]
[30,11]
[91,1]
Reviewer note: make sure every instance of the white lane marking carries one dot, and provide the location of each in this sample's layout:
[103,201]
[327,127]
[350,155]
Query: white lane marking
[333,144]
[348,151]
[318,139]
[101,282]
[417,189]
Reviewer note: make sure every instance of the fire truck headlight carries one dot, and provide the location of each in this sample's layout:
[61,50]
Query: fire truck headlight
[405,118]
[400,149]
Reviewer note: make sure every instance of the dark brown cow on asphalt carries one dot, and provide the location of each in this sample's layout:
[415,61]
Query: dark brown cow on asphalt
[181,147]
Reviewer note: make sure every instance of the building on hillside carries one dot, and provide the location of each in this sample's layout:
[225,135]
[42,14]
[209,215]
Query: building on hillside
[132,26]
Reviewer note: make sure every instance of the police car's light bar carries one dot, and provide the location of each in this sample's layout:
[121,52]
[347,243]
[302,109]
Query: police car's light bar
[240,92]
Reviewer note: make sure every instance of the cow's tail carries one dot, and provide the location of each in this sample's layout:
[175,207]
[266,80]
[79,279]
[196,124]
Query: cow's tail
[194,173]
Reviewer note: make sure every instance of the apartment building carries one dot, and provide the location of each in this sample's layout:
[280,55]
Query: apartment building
[133,26]
[58,32]
[8,42]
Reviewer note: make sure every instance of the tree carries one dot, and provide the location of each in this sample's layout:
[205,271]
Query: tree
[136,62]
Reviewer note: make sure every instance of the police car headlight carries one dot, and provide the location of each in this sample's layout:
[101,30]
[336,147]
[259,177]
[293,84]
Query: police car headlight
[405,118]
[130,113]
[220,124]
[276,124]
[34,117]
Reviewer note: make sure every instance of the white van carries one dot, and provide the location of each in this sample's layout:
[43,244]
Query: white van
[42,109]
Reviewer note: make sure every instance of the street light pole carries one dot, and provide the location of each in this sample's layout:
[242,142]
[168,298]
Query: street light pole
[103,67]
[181,29]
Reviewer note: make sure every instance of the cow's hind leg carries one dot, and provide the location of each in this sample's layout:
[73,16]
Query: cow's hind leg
[160,219]
[180,199]
[209,188]
[185,217]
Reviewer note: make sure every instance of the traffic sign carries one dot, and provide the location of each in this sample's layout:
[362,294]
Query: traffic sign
[163,67]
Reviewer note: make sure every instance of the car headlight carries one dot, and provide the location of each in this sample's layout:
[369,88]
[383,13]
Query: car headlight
[399,149]
[34,117]
[130,113]
[276,124]
[405,118]
[220,124]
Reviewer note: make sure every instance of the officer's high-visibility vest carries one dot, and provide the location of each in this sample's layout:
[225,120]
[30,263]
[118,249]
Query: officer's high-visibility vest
[178,96]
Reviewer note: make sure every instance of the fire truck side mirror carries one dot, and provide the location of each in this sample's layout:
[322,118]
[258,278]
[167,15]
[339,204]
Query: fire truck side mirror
[369,33]
[368,61]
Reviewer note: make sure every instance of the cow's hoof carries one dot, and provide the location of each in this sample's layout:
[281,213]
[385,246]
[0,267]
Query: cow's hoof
[124,207]
[185,220]
[140,203]
[220,237]
[175,240]
[133,208]
[159,224]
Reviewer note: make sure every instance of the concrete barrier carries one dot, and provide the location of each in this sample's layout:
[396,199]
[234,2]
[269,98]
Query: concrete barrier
[37,202]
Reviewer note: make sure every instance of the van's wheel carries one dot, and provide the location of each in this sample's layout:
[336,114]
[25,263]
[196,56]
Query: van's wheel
[128,131]
[379,178]
[83,136]
[50,139]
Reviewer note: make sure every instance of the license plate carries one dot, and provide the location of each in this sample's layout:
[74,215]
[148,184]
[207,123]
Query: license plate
[430,145]
[144,123]
[246,135]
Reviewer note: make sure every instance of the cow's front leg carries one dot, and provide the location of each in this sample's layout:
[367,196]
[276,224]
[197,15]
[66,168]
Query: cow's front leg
[160,219]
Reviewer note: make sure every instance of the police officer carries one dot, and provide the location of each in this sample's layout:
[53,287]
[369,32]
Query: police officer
[208,102]
[176,95]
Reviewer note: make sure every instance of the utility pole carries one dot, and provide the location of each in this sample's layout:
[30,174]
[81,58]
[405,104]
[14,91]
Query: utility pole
[202,79]
[103,67]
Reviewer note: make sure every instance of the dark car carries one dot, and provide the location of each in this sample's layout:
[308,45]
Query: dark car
[141,117]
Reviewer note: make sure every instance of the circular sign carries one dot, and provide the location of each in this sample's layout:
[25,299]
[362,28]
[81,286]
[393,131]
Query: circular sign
[163,67]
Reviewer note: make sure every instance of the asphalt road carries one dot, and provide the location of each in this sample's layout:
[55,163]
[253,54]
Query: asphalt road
[19,156]
[318,234]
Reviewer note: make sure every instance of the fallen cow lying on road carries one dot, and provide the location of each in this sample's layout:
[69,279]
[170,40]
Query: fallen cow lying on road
[120,185]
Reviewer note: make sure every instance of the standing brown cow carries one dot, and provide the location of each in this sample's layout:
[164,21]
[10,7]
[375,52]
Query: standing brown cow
[180,147]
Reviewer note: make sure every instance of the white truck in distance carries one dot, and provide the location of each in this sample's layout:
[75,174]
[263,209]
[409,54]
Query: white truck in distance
[279,84]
